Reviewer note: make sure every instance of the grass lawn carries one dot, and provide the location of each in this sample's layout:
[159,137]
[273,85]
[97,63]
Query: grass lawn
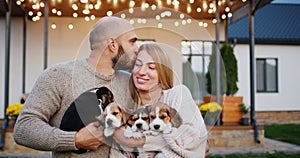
[284,132]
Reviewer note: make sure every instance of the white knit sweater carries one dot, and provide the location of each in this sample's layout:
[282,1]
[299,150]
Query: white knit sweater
[189,140]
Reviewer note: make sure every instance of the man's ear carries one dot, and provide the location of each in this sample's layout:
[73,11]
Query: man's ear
[113,45]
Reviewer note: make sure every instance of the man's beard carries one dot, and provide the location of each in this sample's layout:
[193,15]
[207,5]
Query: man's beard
[122,61]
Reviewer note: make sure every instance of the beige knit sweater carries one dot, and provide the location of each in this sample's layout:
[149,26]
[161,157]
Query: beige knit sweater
[38,122]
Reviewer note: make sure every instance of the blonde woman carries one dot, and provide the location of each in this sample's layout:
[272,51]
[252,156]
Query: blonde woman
[152,81]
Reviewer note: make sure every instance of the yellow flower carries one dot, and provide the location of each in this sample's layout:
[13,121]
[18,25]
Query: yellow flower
[211,107]
[14,109]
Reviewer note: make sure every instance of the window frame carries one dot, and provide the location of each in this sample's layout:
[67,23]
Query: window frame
[265,76]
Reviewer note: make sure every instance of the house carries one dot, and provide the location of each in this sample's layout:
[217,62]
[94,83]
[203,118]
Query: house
[277,51]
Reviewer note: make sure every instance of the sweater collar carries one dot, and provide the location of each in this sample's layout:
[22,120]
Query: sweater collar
[93,70]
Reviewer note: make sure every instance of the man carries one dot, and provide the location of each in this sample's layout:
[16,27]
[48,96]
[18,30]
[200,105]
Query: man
[112,41]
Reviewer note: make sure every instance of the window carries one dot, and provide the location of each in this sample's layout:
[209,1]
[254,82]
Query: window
[196,56]
[266,75]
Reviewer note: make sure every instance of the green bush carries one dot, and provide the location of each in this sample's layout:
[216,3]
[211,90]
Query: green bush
[229,78]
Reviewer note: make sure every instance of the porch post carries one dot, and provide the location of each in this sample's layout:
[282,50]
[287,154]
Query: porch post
[24,54]
[7,68]
[251,3]
[46,15]
[218,99]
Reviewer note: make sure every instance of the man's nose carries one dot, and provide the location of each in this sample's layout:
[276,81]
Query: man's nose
[135,49]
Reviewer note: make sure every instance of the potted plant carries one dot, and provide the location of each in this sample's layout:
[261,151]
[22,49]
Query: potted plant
[228,84]
[244,111]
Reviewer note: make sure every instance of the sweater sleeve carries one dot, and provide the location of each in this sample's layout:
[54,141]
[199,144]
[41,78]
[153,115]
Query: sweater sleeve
[33,127]
[189,140]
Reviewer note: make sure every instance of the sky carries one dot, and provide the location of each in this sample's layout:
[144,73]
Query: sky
[287,1]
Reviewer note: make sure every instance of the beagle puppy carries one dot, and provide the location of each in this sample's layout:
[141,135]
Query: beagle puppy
[163,118]
[137,123]
[112,117]
[85,108]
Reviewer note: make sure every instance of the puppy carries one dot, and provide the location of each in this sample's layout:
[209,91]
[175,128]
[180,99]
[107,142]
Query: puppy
[163,118]
[137,126]
[112,117]
[85,108]
[137,123]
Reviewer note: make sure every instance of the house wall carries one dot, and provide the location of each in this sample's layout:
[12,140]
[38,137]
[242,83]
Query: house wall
[65,44]
[287,98]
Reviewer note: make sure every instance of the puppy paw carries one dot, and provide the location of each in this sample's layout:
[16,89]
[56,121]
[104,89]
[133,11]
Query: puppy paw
[147,133]
[137,135]
[108,132]
[128,133]
[154,133]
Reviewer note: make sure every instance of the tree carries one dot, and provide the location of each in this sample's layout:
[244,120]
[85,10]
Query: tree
[229,76]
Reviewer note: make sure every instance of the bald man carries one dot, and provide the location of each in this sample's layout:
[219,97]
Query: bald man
[113,46]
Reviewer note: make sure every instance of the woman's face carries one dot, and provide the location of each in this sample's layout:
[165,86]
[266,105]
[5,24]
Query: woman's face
[144,72]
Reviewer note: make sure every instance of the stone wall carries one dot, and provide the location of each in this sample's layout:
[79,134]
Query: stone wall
[277,117]
[234,136]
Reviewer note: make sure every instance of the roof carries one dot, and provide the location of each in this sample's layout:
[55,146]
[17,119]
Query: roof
[273,24]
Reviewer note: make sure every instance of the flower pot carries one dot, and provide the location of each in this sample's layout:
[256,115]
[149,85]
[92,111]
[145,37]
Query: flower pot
[231,113]
[244,121]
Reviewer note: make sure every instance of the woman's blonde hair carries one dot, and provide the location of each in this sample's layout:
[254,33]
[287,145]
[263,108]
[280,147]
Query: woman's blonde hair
[163,67]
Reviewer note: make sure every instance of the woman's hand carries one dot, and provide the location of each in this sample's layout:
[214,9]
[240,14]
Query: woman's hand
[129,142]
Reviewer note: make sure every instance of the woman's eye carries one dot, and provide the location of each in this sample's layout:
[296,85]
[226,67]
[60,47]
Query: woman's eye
[152,67]
[137,64]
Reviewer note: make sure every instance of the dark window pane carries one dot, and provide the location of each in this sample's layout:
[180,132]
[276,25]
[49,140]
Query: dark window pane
[266,75]
[260,75]
[271,75]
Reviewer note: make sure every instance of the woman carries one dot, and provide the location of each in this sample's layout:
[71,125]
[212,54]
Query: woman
[152,81]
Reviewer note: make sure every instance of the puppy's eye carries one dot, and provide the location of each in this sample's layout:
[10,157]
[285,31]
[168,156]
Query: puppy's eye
[152,117]
[115,113]
[134,119]
[145,118]
[162,117]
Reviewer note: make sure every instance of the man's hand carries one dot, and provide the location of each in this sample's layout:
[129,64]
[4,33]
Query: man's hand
[90,137]
[129,142]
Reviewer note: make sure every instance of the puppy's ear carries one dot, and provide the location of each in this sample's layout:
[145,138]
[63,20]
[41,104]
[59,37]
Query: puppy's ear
[176,119]
[148,109]
[125,116]
[101,119]
[105,95]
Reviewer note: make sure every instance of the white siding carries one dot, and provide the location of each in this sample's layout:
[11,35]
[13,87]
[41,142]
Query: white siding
[288,97]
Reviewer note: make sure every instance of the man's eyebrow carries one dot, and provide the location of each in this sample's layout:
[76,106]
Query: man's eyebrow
[133,39]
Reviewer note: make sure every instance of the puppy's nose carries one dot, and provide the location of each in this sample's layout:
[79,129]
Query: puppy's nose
[139,125]
[109,122]
[156,126]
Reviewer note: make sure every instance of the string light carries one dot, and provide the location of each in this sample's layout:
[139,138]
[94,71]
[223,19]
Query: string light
[70,26]
[53,26]
[75,15]
[86,7]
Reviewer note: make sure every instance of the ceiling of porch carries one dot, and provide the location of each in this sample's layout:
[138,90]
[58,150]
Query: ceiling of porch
[196,9]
